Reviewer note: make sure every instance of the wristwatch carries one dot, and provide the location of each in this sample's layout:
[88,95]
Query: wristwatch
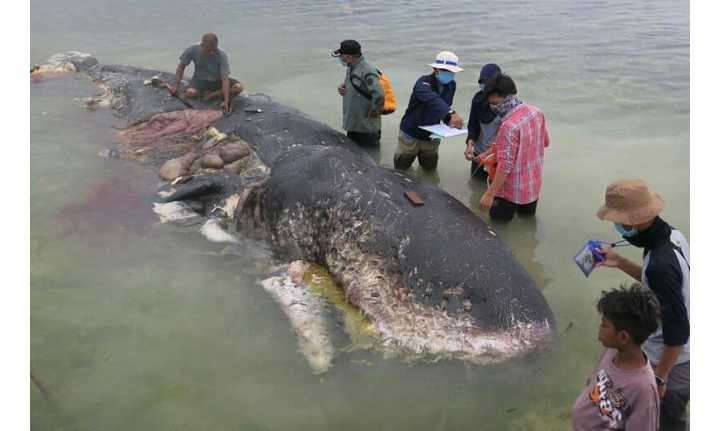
[660,381]
[447,118]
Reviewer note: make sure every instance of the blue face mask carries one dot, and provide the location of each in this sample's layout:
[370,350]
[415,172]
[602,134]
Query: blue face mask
[481,87]
[444,76]
[625,233]
[343,62]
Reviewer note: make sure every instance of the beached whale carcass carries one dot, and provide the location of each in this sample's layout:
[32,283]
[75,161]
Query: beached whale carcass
[434,280]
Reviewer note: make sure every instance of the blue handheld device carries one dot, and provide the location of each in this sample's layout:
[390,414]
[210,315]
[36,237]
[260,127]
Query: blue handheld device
[595,247]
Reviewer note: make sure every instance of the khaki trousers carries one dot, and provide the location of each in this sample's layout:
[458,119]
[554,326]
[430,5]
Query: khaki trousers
[409,148]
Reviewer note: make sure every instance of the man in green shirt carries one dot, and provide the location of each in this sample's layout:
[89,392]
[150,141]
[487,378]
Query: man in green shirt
[363,97]
[211,72]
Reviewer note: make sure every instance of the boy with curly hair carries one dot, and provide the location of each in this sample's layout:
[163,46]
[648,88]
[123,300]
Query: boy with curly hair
[621,394]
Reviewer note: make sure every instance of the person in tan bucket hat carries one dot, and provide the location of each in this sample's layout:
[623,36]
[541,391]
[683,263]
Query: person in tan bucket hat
[629,202]
[665,268]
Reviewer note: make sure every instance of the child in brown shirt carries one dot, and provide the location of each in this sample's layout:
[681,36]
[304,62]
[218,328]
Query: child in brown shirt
[621,394]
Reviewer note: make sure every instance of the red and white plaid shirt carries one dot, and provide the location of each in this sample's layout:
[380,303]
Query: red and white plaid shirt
[520,144]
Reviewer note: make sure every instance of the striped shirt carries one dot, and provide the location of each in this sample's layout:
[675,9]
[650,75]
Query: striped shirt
[520,144]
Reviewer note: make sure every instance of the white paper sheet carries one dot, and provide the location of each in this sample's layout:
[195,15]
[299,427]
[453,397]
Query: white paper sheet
[444,131]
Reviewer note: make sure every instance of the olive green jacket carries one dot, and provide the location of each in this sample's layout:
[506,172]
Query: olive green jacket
[356,107]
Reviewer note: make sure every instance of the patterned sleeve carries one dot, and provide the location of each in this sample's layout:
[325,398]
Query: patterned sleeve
[545,132]
[506,145]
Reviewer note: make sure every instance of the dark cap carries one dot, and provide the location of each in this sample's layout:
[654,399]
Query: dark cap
[488,72]
[349,47]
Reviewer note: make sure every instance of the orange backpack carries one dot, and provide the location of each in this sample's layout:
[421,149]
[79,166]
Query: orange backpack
[390,102]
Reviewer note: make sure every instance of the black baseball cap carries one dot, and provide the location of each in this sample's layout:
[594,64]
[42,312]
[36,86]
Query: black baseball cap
[488,72]
[349,47]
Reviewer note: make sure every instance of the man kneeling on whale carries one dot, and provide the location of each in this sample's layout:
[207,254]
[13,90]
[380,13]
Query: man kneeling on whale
[211,72]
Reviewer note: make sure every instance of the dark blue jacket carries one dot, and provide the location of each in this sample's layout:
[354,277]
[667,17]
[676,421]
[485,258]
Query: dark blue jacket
[429,104]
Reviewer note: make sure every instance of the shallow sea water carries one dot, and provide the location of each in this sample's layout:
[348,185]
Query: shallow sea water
[139,325]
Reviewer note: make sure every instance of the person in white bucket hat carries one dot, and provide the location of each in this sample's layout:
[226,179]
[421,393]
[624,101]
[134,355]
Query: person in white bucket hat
[447,60]
[430,103]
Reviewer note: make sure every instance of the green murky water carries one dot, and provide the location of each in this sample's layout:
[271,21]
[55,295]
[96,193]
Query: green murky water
[138,325]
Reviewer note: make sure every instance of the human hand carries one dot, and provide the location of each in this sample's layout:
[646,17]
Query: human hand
[225,106]
[611,259]
[662,390]
[486,201]
[483,155]
[469,150]
[172,89]
[342,90]
[456,121]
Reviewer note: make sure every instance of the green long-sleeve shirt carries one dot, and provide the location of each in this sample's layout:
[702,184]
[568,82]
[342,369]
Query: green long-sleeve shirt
[357,107]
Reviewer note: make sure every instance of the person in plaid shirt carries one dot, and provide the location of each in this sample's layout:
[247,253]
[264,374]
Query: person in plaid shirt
[520,145]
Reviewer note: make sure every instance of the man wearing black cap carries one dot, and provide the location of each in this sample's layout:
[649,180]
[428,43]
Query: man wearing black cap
[363,97]
[483,123]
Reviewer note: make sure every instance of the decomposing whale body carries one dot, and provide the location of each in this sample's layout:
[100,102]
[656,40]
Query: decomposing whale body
[434,281]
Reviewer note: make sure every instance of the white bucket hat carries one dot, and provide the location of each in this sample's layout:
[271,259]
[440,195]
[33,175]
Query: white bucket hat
[447,60]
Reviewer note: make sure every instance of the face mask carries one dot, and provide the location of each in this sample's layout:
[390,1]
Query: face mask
[481,87]
[343,62]
[444,76]
[507,104]
[625,233]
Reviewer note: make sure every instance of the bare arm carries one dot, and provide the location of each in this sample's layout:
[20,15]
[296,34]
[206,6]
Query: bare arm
[470,143]
[486,201]
[226,93]
[631,268]
[666,363]
[179,75]
[497,183]
[505,151]
[614,260]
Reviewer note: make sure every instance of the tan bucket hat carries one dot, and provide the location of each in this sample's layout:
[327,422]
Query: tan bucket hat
[630,202]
